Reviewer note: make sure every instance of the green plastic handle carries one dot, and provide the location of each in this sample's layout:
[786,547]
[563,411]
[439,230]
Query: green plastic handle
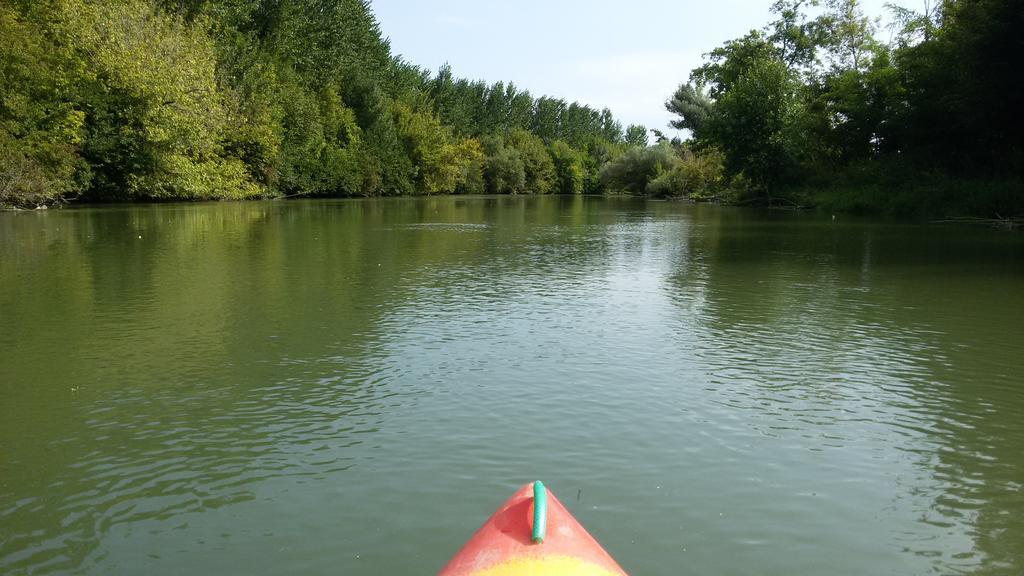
[540,511]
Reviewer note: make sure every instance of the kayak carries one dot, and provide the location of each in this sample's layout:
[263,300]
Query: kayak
[532,534]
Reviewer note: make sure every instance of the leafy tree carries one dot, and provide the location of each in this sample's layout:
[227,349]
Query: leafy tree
[912,27]
[796,36]
[611,129]
[633,171]
[750,119]
[847,36]
[570,168]
[441,162]
[693,108]
[194,99]
[816,100]
[547,117]
[636,135]
[41,132]
[323,144]
[698,175]
[731,61]
[965,90]
[861,107]
[753,101]
[538,166]
[504,169]
[471,180]
[156,79]
[520,110]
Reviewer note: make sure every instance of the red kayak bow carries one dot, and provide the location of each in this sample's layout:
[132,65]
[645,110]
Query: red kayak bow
[532,534]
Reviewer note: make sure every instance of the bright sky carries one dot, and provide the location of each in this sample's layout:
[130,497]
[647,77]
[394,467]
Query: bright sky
[628,56]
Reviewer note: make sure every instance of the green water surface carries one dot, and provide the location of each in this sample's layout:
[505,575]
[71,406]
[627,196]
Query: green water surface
[351,387]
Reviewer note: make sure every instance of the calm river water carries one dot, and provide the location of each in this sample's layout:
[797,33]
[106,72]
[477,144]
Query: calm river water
[351,387]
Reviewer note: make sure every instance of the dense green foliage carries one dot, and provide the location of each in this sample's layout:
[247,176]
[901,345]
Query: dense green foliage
[202,99]
[816,110]
[207,99]
[668,170]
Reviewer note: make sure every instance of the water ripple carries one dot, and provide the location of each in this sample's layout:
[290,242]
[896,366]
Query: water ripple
[346,387]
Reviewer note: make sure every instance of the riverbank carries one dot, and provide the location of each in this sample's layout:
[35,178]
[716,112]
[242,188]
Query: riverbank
[995,202]
[928,197]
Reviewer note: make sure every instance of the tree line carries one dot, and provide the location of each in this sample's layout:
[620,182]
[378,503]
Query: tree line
[123,100]
[815,110]
[126,100]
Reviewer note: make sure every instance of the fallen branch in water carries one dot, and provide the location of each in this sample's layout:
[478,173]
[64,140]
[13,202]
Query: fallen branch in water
[997,222]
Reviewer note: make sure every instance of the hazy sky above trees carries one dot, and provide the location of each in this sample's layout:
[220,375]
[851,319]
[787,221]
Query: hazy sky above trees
[628,56]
